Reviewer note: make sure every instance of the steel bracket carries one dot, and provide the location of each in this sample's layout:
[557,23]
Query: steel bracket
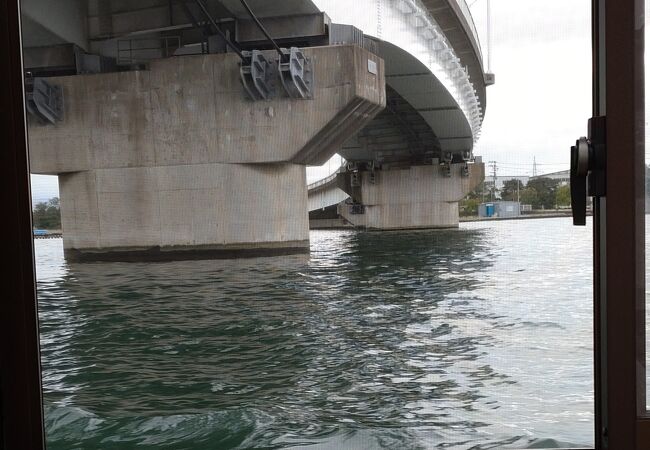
[44,100]
[446,170]
[296,73]
[258,76]
[465,171]
[355,179]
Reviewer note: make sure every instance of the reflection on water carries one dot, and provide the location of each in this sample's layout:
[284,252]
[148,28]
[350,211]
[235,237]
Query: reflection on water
[472,338]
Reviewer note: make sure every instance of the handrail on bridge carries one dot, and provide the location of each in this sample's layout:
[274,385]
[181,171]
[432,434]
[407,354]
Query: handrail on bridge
[464,7]
[323,181]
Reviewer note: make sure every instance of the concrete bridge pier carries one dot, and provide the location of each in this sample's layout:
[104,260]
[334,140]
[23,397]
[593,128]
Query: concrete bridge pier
[177,162]
[184,211]
[416,197]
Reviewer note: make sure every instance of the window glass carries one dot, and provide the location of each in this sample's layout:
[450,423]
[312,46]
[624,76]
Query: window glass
[363,241]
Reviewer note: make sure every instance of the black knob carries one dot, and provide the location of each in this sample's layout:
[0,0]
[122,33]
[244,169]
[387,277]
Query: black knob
[579,171]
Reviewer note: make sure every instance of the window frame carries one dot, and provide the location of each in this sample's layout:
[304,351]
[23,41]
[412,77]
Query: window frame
[21,409]
[619,229]
[619,240]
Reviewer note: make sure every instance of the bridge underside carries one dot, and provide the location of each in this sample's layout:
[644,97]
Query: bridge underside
[163,154]
[398,136]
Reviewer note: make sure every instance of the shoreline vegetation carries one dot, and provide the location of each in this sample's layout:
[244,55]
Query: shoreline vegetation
[47,215]
[542,194]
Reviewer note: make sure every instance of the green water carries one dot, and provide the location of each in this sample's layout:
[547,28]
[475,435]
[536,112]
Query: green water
[463,339]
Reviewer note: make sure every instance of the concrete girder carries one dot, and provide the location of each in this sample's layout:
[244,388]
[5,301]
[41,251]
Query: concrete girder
[266,8]
[114,18]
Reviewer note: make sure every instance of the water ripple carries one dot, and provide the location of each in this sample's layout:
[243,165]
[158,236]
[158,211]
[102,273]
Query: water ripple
[467,339]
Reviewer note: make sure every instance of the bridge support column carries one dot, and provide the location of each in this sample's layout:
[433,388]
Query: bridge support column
[417,197]
[182,212]
[176,162]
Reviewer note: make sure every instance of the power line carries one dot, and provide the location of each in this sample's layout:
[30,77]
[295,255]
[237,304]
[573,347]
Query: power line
[529,166]
[493,165]
[519,170]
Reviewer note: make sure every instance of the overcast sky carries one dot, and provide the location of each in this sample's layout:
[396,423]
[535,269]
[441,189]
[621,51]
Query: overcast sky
[540,53]
[540,104]
[541,56]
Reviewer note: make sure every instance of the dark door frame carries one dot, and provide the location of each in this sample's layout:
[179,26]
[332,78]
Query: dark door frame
[619,226]
[21,408]
[619,229]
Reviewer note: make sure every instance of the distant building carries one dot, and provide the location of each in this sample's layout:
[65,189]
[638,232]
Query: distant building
[563,177]
[501,180]
[500,209]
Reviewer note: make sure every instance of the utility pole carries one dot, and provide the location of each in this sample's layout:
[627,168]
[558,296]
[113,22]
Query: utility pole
[534,166]
[493,165]
[518,199]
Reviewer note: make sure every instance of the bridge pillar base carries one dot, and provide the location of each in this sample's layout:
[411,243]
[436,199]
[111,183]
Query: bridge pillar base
[184,212]
[418,197]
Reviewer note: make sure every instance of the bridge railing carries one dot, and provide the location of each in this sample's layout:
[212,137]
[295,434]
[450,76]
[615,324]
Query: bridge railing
[440,56]
[323,181]
[464,7]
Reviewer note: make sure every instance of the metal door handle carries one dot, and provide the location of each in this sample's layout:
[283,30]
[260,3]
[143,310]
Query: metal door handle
[588,159]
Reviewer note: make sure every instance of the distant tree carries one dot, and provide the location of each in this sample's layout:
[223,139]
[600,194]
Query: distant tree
[546,190]
[469,207]
[528,196]
[47,215]
[510,189]
[478,193]
[563,196]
